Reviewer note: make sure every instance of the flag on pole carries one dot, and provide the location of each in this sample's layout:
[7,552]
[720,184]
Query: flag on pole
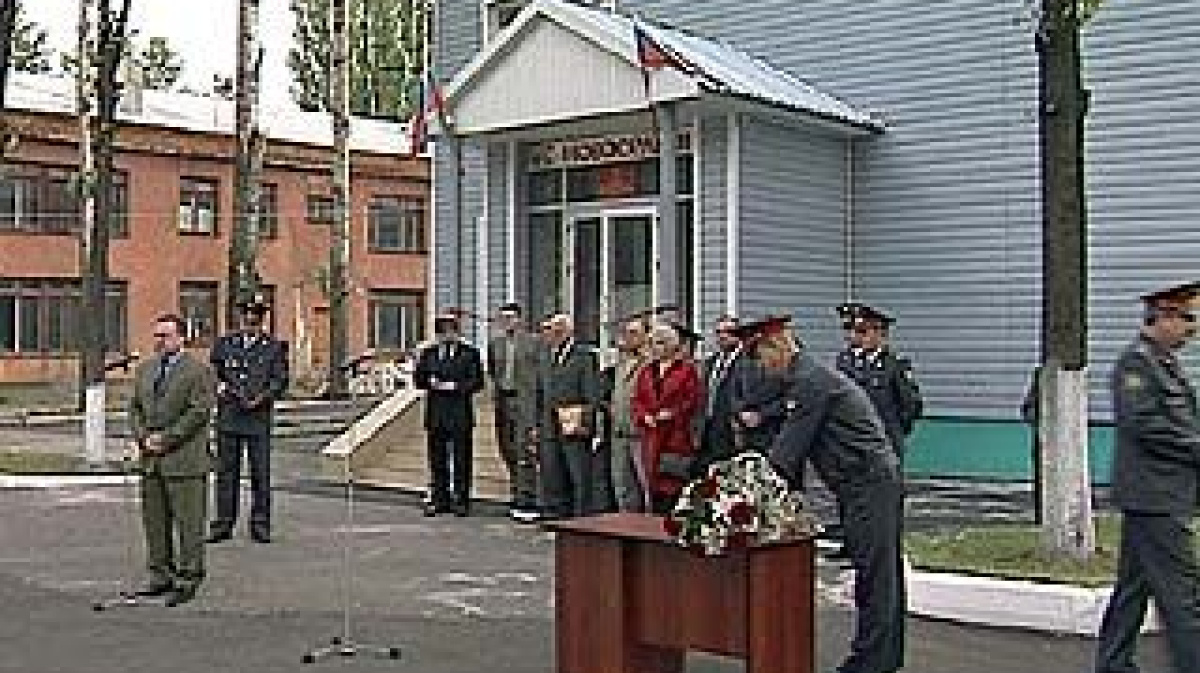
[432,101]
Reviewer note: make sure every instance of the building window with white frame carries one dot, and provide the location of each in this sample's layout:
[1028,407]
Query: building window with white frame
[198,303]
[396,319]
[197,206]
[396,224]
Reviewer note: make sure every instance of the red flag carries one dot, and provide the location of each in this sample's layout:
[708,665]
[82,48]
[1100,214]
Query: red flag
[432,101]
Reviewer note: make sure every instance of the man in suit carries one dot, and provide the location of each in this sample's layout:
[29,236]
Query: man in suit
[830,423]
[627,470]
[451,372]
[1156,484]
[513,359]
[756,397]
[568,395]
[252,373]
[170,413]
[719,371]
[887,378]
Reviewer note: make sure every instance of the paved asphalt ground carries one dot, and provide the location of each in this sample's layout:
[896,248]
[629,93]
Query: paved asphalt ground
[456,595]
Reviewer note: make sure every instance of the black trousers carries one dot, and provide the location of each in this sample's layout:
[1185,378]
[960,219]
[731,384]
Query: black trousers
[1157,560]
[873,517]
[518,457]
[450,457]
[257,447]
[567,478]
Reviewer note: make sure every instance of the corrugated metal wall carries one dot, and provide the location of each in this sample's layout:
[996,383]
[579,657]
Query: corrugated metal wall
[1143,170]
[791,224]
[945,204]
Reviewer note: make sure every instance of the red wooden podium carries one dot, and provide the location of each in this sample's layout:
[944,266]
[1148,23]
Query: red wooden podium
[628,599]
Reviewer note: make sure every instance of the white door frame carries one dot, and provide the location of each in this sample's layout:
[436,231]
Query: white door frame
[605,214]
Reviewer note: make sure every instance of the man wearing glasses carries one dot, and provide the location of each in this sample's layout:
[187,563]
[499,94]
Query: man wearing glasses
[170,412]
[1156,485]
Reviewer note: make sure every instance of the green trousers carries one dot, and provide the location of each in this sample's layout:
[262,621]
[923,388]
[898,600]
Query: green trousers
[174,512]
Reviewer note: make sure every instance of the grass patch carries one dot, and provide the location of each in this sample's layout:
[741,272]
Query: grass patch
[1014,552]
[39,462]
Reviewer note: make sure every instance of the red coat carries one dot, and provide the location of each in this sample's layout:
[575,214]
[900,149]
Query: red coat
[679,392]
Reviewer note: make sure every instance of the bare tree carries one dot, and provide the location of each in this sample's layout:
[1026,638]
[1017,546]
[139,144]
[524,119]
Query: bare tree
[8,24]
[243,277]
[339,249]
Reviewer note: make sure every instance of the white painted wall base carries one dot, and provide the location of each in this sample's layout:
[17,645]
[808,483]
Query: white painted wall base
[1009,603]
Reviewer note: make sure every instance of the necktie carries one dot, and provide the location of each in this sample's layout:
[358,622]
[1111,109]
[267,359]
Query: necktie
[160,379]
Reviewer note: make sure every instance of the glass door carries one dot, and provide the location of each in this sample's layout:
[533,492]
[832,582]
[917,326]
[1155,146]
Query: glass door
[611,272]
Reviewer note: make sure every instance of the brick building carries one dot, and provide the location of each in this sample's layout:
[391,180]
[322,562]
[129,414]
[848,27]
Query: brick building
[170,242]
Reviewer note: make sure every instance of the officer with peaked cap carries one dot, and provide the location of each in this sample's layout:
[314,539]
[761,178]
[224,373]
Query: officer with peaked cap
[252,373]
[757,394]
[888,379]
[451,372]
[1156,484]
[831,423]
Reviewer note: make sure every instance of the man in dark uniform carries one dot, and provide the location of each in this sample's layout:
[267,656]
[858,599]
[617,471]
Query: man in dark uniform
[1156,484]
[568,403]
[252,373]
[719,373]
[756,397]
[888,379]
[831,423]
[451,372]
[513,359]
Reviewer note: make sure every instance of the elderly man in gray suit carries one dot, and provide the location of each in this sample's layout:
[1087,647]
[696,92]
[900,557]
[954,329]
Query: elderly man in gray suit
[568,393]
[513,358]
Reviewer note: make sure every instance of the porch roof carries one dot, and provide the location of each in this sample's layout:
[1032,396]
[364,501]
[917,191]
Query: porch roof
[555,48]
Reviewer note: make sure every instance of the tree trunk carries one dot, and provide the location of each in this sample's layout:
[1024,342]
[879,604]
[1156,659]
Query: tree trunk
[242,281]
[339,249]
[1067,515]
[8,24]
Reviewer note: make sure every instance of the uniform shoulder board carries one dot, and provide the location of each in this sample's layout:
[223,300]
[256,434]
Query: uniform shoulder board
[1132,381]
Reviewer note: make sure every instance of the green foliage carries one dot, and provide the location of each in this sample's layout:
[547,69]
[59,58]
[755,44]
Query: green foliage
[31,50]
[159,64]
[387,55]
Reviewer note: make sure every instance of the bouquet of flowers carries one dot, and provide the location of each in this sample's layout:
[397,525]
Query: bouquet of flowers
[739,501]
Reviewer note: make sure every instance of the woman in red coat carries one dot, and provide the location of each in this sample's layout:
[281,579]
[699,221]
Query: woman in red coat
[666,397]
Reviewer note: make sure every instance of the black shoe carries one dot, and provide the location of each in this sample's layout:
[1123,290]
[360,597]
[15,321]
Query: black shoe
[433,510]
[154,589]
[180,596]
[218,535]
[462,510]
[260,536]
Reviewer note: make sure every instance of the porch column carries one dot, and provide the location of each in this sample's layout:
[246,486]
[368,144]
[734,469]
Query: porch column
[450,243]
[668,228]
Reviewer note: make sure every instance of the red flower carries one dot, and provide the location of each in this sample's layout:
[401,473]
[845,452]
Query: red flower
[742,513]
[707,488]
[672,527]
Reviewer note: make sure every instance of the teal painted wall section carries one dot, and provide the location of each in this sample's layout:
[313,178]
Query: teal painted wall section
[990,450]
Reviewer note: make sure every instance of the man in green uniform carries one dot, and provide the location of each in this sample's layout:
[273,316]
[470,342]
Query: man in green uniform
[170,413]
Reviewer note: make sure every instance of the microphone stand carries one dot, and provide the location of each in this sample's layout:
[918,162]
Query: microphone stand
[345,645]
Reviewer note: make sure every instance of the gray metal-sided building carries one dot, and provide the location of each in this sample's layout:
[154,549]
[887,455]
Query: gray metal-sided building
[797,154]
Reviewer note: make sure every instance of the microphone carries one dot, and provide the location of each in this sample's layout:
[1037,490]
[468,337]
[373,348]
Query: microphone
[123,362]
[353,364]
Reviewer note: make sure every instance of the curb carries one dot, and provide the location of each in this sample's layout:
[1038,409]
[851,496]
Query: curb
[1018,604]
[41,481]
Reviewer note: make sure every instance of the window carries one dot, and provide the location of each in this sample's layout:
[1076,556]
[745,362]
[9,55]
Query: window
[197,206]
[198,308]
[396,319]
[321,209]
[39,199]
[268,211]
[397,224]
[44,316]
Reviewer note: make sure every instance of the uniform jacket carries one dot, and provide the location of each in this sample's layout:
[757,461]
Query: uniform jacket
[756,389]
[890,383]
[678,390]
[246,372]
[450,411]
[831,423]
[1157,460]
[181,411]
[566,378]
[528,353]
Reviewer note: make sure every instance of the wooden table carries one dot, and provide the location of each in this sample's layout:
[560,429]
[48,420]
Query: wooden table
[628,599]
